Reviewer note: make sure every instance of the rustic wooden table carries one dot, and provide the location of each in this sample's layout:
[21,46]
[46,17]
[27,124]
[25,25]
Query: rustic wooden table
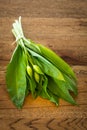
[62,26]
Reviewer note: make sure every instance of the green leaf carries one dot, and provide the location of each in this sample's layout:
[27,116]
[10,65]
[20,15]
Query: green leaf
[53,98]
[71,84]
[16,76]
[56,60]
[45,93]
[32,85]
[31,45]
[46,67]
[59,88]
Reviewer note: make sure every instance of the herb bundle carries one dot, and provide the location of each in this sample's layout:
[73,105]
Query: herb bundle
[36,69]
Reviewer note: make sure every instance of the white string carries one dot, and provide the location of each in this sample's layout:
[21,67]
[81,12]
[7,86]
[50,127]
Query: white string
[18,38]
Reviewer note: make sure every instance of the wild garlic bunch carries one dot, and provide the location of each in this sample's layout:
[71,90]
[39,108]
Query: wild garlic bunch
[35,69]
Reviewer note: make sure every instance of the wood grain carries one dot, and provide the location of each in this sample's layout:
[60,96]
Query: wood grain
[45,124]
[48,8]
[60,25]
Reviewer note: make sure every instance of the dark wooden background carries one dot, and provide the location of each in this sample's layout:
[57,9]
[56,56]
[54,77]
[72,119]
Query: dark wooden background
[62,26]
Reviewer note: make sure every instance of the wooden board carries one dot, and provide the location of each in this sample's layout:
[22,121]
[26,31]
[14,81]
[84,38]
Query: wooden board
[62,26]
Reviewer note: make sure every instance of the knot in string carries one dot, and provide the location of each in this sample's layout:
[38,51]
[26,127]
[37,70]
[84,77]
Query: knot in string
[17,39]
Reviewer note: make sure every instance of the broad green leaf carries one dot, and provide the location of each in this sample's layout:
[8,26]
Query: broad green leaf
[16,76]
[58,88]
[47,67]
[56,60]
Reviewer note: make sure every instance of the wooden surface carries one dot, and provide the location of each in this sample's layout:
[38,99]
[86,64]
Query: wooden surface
[62,26]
